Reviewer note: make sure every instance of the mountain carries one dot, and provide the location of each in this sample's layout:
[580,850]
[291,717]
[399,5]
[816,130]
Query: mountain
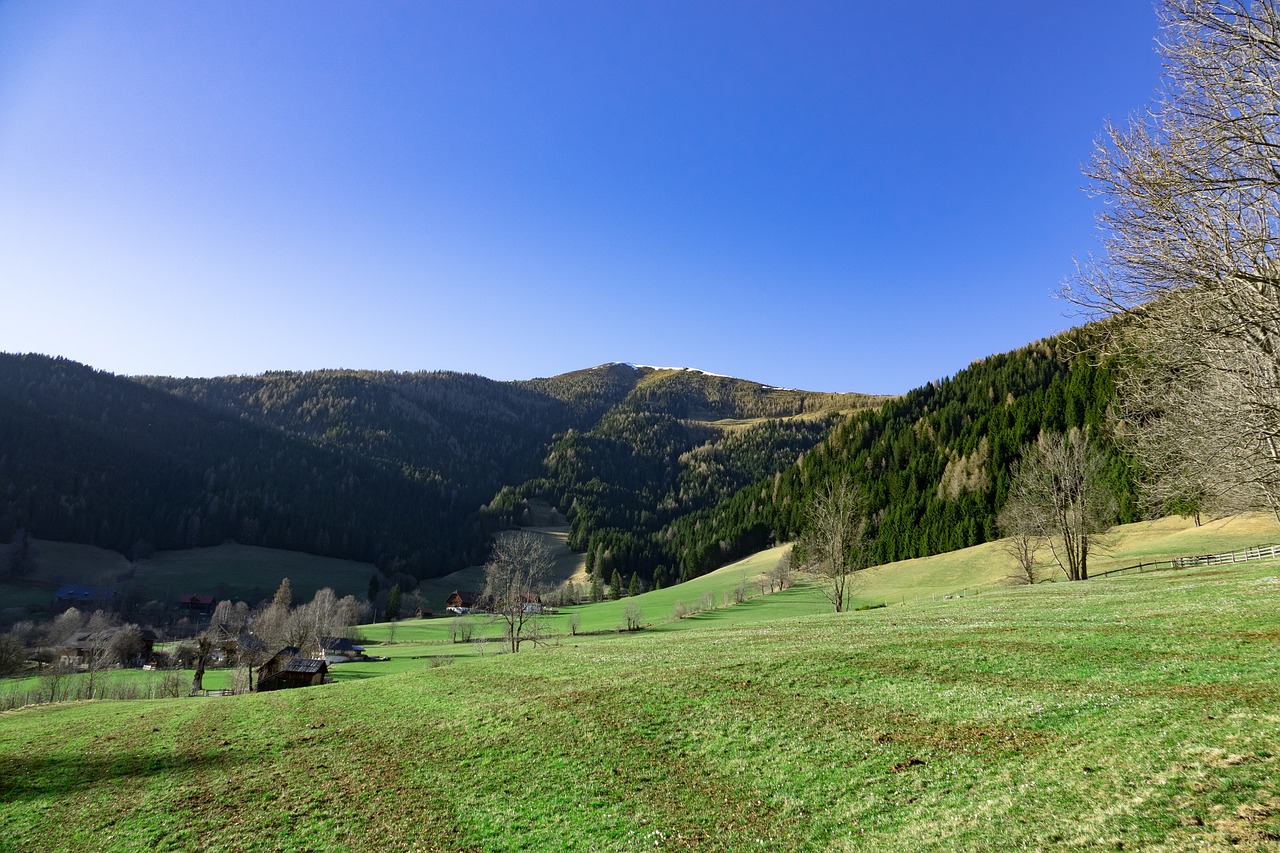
[681,440]
[665,473]
[93,458]
[400,469]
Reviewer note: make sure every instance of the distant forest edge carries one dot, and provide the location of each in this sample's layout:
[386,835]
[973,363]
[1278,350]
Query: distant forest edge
[663,473]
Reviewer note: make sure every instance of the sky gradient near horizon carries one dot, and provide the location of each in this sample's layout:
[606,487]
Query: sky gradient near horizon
[836,196]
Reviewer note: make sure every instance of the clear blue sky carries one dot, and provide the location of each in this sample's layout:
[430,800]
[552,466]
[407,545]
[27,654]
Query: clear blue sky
[844,196]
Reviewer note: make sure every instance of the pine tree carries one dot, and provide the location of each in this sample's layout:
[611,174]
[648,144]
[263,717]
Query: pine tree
[393,603]
[615,586]
[633,588]
[597,587]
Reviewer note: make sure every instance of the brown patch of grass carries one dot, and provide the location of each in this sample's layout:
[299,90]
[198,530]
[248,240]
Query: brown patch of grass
[1252,824]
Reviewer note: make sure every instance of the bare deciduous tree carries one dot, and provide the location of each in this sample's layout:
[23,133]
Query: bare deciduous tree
[125,645]
[1020,542]
[779,575]
[67,623]
[517,566]
[835,540]
[1057,496]
[1192,261]
[634,616]
[205,645]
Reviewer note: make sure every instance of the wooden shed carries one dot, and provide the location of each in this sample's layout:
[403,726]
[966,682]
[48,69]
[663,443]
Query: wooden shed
[286,669]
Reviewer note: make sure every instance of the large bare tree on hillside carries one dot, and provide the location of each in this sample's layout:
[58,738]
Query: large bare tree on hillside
[1191,261]
[835,539]
[517,567]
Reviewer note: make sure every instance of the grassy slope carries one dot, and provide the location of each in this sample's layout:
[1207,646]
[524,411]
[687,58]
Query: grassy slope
[251,573]
[979,569]
[237,571]
[424,643]
[1131,713]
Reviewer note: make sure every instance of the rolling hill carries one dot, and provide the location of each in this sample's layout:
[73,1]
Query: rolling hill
[1127,714]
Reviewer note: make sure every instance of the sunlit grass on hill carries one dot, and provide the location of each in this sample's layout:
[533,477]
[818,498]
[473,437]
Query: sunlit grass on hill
[1176,536]
[421,644]
[1133,713]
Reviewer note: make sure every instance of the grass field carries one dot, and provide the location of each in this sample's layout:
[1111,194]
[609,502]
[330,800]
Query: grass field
[250,573]
[1136,713]
[234,571]
[425,643]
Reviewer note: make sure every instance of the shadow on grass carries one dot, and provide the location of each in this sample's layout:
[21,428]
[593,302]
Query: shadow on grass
[30,777]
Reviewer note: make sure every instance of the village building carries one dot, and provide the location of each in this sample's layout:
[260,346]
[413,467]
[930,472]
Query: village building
[340,650]
[461,601]
[194,604]
[286,670]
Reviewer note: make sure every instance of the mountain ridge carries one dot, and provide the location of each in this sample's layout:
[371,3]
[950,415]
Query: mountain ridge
[664,473]
[395,468]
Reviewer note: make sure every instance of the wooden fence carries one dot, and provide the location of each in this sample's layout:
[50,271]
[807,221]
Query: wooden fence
[1257,552]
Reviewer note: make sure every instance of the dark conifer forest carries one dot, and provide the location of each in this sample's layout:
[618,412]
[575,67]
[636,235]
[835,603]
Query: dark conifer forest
[665,474]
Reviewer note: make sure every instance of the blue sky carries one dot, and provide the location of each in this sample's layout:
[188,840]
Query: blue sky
[847,196]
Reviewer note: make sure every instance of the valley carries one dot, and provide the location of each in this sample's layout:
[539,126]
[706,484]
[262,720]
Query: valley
[1133,713]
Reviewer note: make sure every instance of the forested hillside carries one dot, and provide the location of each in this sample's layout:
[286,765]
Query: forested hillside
[934,464]
[389,468]
[681,441]
[658,487]
[94,458]
[663,473]
[467,434]
[399,469]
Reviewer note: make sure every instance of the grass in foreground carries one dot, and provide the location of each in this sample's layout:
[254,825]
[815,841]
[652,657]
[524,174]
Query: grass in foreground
[1138,713]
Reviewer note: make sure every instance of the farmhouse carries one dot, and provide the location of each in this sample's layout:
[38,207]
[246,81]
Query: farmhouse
[86,648]
[340,650]
[286,670]
[196,605]
[460,602]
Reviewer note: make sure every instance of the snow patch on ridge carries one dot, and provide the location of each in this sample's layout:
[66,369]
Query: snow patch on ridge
[634,366]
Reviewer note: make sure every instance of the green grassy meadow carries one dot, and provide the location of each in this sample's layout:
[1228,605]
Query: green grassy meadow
[234,571]
[249,573]
[1140,712]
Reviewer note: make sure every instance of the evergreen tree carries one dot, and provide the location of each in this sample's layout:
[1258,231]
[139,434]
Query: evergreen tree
[374,587]
[597,587]
[615,586]
[393,603]
[633,588]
